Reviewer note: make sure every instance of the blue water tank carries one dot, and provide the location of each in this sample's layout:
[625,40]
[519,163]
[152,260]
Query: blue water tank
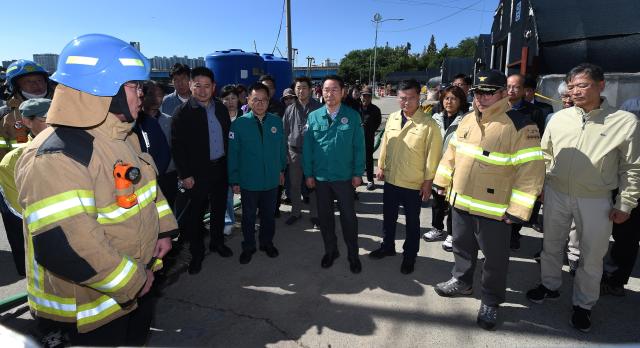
[235,66]
[280,69]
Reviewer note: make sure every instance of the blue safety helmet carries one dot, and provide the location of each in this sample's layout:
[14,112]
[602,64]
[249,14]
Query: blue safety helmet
[99,64]
[22,67]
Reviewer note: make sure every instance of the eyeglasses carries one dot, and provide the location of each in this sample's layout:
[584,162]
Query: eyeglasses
[407,99]
[484,94]
[331,90]
[259,101]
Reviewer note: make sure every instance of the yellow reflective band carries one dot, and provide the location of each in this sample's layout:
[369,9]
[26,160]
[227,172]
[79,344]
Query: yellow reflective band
[118,278]
[115,214]
[81,60]
[96,310]
[131,62]
[163,208]
[46,303]
[2,141]
[11,68]
[444,171]
[474,204]
[484,156]
[59,207]
[522,198]
[527,155]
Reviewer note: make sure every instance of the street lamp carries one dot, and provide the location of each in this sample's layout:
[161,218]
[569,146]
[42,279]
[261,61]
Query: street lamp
[377,19]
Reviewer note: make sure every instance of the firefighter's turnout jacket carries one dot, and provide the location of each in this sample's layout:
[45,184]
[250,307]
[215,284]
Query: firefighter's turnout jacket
[86,256]
[493,167]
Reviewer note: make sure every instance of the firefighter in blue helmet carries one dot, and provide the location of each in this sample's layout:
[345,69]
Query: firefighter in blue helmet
[96,224]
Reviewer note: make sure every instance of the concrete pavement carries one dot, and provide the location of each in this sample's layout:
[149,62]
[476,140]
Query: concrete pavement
[290,301]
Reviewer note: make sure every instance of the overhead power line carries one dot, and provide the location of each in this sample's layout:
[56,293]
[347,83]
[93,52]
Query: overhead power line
[429,3]
[279,30]
[435,21]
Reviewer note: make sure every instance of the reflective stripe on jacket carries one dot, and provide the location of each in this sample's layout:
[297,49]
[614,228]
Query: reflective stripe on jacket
[493,167]
[86,256]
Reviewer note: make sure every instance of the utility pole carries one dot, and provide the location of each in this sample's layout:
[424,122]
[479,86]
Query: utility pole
[289,43]
[377,19]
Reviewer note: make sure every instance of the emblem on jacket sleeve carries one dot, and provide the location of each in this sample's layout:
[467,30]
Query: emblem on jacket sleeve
[344,120]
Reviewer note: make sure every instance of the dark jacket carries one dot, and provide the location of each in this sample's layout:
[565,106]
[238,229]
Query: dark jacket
[546,108]
[371,119]
[276,107]
[153,141]
[536,114]
[190,137]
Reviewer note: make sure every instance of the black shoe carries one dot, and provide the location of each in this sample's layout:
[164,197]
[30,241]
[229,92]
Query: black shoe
[407,265]
[514,244]
[610,289]
[195,266]
[327,259]
[371,186]
[305,199]
[270,250]
[286,201]
[315,222]
[246,255]
[453,288]
[487,317]
[381,253]
[540,293]
[581,319]
[355,266]
[536,256]
[221,249]
[291,220]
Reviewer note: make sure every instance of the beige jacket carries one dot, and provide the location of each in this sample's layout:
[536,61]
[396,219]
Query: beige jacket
[493,167]
[86,256]
[590,154]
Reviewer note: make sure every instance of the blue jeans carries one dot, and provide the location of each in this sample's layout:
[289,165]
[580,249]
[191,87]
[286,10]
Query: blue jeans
[229,216]
[265,202]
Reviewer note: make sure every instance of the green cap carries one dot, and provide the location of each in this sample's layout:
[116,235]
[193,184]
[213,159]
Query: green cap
[37,107]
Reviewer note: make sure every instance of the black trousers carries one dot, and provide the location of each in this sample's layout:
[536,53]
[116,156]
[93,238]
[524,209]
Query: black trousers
[392,197]
[369,140]
[342,191]
[265,203]
[208,191]
[13,227]
[440,209]
[129,330]
[624,250]
[472,232]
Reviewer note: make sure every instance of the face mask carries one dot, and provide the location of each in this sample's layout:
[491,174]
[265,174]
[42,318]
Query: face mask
[33,96]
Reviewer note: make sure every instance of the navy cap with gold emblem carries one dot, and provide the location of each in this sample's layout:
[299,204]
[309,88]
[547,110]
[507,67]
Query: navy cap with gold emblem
[489,81]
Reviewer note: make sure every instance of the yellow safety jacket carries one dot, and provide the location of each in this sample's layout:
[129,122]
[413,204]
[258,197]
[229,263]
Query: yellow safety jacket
[85,255]
[493,167]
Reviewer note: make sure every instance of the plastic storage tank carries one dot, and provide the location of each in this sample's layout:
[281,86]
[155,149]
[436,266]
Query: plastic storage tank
[280,69]
[235,66]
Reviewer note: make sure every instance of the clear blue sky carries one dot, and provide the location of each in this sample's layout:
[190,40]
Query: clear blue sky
[321,29]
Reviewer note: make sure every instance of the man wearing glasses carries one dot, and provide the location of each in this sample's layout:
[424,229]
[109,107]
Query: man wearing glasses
[590,149]
[492,172]
[409,153]
[333,162]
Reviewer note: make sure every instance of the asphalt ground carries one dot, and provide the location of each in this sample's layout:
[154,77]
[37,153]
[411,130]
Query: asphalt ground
[291,301]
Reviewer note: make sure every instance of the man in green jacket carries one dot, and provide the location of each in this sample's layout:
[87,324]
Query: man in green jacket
[333,163]
[257,160]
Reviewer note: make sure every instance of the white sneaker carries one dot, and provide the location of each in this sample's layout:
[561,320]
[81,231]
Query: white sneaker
[227,230]
[447,245]
[434,235]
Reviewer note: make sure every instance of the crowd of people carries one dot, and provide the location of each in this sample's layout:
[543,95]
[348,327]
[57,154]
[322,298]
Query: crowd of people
[106,173]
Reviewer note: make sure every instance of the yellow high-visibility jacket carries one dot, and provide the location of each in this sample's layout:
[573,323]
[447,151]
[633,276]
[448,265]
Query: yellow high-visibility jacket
[494,166]
[85,255]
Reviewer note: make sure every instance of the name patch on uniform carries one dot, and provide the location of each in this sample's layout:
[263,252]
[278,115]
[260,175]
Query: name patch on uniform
[274,130]
[232,135]
[344,120]
[533,133]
